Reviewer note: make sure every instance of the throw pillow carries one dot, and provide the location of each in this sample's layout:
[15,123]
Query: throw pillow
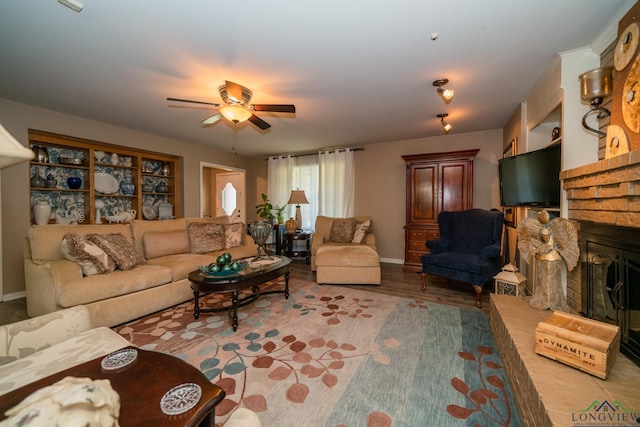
[205,237]
[90,257]
[362,229]
[234,235]
[119,248]
[342,230]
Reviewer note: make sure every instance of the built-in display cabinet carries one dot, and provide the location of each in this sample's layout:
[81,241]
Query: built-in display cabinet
[93,182]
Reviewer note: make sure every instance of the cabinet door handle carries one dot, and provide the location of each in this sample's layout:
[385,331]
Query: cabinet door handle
[616,294]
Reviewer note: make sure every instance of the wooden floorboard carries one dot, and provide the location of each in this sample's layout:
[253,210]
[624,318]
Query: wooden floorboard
[398,283]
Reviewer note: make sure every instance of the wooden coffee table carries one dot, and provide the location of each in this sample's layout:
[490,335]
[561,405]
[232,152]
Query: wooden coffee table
[141,385]
[250,277]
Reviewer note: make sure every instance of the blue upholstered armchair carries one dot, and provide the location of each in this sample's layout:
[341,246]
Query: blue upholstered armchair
[468,249]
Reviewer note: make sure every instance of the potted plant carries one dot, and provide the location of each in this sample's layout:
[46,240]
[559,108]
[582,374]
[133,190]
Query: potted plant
[264,210]
[279,213]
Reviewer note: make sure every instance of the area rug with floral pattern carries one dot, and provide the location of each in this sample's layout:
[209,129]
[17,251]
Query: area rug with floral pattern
[340,356]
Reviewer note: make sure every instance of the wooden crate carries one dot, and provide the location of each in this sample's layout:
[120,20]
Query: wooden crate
[582,343]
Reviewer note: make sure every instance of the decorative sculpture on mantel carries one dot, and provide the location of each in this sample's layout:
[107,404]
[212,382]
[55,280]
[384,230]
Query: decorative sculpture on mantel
[550,242]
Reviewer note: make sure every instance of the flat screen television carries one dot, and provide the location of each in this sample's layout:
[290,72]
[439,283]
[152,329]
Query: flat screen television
[531,179]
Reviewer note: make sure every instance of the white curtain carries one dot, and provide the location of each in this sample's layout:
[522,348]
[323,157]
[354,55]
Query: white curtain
[305,177]
[279,184]
[295,173]
[336,187]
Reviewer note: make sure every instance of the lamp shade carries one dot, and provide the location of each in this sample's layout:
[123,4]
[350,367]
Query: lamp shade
[11,151]
[235,113]
[298,198]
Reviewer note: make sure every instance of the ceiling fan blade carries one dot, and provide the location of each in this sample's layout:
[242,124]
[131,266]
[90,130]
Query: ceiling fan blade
[234,91]
[259,122]
[212,119]
[275,108]
[193,102]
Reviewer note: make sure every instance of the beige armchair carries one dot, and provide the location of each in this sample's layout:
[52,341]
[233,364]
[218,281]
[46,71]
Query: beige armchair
[344,251]
[322,236]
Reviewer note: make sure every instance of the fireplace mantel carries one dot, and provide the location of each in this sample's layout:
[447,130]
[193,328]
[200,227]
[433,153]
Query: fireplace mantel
[606,192]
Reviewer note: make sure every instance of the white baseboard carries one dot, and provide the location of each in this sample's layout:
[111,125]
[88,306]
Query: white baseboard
[13,295]
[392,260]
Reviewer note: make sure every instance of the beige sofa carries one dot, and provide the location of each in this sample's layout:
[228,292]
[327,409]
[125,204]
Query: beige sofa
[343,250]
[36,348]
[54,282]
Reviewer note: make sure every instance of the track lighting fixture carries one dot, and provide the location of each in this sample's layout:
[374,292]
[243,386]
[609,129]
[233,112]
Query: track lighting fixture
[446,126]
[446,94]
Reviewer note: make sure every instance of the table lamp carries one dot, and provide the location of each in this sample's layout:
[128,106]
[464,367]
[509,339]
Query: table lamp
[298,198]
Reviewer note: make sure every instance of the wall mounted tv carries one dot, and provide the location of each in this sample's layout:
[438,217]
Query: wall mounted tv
[531,179]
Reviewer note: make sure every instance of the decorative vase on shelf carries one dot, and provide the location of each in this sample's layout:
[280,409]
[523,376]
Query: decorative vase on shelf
[42,155]
[74,183]
[51,181]
[162,188]
[165,171]
[42,212]
[127,187]
[37,181]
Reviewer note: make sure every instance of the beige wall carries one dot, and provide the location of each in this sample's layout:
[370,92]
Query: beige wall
[18,118]
[380,181]
[380,176]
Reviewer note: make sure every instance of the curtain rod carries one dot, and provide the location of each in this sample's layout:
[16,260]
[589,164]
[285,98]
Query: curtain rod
[313,154]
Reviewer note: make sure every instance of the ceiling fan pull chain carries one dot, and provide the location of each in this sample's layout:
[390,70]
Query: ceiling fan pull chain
[235,138]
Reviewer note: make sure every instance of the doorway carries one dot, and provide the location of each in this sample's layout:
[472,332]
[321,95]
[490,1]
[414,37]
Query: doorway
[222,192]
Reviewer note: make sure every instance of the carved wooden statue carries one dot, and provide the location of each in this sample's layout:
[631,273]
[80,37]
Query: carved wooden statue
[550,242]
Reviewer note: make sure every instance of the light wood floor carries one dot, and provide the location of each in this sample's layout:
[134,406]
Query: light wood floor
[394,282]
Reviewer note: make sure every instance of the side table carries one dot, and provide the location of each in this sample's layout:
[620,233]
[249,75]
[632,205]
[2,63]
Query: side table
[289,238]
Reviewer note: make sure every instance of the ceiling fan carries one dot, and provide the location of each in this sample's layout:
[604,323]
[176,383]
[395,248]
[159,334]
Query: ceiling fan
[236,107]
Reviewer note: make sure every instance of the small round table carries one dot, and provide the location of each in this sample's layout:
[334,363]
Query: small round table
[252,276]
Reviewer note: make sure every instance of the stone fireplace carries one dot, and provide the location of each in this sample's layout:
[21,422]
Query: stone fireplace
[604,201]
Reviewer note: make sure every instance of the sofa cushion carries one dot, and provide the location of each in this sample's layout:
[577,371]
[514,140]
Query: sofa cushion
[44,240]
[161,243]
[78,349]
[205,237]
[324,224]
[139,227]
[362,229]
[181,265]
[103,286]
[91,258]
[234,235]
[342,230]
[347,256]
[118,248]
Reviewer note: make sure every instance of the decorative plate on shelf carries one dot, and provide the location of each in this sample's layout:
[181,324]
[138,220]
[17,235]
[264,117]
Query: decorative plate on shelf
[180,398]
[105,183]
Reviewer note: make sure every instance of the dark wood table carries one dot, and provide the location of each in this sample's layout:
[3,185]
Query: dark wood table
[141,386]
[298,236]
[247,278]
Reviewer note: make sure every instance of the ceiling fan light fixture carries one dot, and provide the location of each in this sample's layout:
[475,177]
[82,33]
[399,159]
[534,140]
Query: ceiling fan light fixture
[446,126]
[445,94]
[235,113]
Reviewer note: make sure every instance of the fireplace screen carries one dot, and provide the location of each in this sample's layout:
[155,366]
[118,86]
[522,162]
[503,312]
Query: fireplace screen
[611,285]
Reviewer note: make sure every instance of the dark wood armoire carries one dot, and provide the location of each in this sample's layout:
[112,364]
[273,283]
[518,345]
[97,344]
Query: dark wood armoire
[436,182]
